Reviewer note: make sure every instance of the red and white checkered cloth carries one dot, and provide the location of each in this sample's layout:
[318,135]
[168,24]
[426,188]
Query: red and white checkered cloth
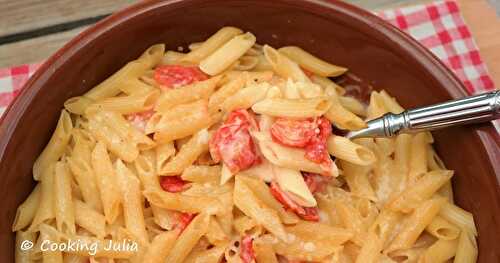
[439,26]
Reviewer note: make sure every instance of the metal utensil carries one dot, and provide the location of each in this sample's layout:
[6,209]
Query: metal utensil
[474,109]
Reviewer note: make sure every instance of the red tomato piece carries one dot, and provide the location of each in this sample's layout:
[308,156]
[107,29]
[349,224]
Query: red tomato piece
[315,182]
[174,76]
[243,117]
[183,220]
[172,184]
[233,144]
[246,250]
[306,213]
[311,214]
[316,150]
[285,200]
[294,133]
[139,119]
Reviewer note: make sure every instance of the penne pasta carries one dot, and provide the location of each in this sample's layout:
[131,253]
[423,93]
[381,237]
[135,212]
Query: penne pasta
[195,45]
[353,105]
[211,255]
[188,239]
[86,180]
[45,210]
[222,58]
[264,252]
[160,247]
[152,56]
[370,251]
[262,63]
[125,130]
[341,117]
[186,94]
[421,191]
[210,45]
[63,202]
[133,213]
[249,204]
[227,90]
[106,182]
[357,178]
[114,141]
[261,191]
[418,158]
[283,66]
[202,174]
[352,220]
[292,182]
[421,217]
[246,98]
[386,226]
[128,104]
[311,62]
[173,58]
[111,86]
[330,87]
[187,154]
[466,248]
[215,234]
[246,62]
[27,210]
[442,229]
[293,108]
[183,203]
[90,219]
[376,107]
[137,86]
[458,217]
[349,151]
[56,146]
[78,105]
[390,103]
[440,251]
[164,153]
[311,241]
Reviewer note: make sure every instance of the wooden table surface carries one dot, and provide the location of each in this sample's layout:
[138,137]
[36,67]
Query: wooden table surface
[31,30]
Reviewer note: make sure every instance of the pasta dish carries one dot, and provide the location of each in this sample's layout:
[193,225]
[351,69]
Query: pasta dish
[234,152]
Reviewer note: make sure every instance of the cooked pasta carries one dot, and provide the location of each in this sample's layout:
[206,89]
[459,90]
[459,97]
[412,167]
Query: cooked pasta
[227,154]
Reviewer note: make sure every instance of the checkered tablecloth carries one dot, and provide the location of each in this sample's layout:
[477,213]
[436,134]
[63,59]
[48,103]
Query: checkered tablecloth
[439,26]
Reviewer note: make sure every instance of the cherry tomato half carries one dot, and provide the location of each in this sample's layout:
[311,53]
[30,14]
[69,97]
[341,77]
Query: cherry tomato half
[172,184]
[233,144]
[294,133]
[174,76]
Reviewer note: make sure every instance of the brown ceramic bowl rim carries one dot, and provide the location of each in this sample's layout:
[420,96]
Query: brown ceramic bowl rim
[414,49]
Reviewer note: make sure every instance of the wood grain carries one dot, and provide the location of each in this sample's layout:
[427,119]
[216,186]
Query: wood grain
[36,49]
[26,15]
[485,26]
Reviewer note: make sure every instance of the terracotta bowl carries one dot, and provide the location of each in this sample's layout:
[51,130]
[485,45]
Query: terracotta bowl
[374,50]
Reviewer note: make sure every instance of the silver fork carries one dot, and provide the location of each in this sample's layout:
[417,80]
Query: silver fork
[474,109]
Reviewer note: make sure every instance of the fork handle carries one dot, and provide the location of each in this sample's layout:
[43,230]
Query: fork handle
[474,109]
